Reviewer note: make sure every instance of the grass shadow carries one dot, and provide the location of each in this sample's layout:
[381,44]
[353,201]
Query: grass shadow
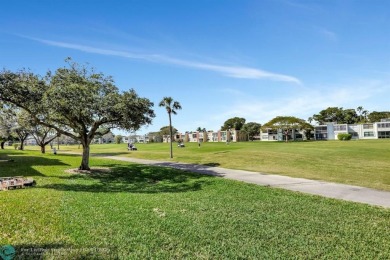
[221,152]
[22,165]
[133,178]
[212,164]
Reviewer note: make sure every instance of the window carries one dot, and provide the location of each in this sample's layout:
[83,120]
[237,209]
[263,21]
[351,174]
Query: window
[368,134]
[321,128]
[368,126]
[384,125]
[384,134]
[193,135]
[321,136]
[264,137]
[298,136]
[354,134]
[340,128]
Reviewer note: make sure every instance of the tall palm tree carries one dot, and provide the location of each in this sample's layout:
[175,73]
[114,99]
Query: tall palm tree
[359,109]
[171,106]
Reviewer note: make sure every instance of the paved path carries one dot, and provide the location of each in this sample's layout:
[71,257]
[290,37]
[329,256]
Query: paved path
[322,188]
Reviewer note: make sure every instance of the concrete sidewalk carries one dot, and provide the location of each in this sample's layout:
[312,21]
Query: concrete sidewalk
[326,189]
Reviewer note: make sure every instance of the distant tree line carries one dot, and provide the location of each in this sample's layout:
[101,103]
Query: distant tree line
[340,115]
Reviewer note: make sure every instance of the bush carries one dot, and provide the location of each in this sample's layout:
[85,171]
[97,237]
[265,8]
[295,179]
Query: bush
[344,136]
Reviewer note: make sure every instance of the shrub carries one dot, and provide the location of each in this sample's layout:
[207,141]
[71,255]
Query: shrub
[344,136]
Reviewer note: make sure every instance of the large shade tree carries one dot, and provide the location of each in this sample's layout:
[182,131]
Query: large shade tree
[171,107]
[287,124]
[251,129]
[375,116]
[330,114]
[166,130]
[76,101]
[235,123]
[339,115]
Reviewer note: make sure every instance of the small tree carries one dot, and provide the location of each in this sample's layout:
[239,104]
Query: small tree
[6,124]
[43,135]
[19,123]
[118,139]
[171,106]
[287,124]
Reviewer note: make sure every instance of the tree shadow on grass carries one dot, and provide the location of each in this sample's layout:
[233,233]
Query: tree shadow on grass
[22,165]
[212,164]
[133,178]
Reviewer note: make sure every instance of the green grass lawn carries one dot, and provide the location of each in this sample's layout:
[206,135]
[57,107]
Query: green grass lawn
[137,212]
[363,163]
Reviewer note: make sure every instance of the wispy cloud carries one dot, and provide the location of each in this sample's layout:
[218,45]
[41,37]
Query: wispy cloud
[332,36]
[305,104]
[229,71]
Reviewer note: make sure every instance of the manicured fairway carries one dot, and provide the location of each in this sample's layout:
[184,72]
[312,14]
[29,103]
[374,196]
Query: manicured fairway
[363,163]
[138,211]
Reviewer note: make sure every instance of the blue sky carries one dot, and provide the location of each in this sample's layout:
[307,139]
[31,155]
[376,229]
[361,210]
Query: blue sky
[220,59]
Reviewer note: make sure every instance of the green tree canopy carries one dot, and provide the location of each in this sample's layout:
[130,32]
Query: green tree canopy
[375,116]
[6,124]
[155,137]
[165,130]
[348,116]
[287,123]
[118,139]
[331,114]
[251,129]
[362,113]
[200,129]
[235,123]
[339,115]
[15,123]
[76,101]
[351,117]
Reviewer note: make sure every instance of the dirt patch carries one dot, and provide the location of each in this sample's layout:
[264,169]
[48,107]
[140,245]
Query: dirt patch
[93,170]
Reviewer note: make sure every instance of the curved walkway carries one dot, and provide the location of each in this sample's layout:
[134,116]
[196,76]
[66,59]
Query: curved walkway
[322,188]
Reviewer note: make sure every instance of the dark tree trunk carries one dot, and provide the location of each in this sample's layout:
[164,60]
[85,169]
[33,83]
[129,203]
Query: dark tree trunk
[2,145]
[170,132]
[43,150]
[21,147]
[85,159]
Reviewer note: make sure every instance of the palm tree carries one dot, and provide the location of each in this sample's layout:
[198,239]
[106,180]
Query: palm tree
[362,114]
[171,106]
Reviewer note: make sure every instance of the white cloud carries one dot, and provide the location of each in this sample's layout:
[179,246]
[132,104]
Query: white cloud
[308,102]
[332,36]
[229,71]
